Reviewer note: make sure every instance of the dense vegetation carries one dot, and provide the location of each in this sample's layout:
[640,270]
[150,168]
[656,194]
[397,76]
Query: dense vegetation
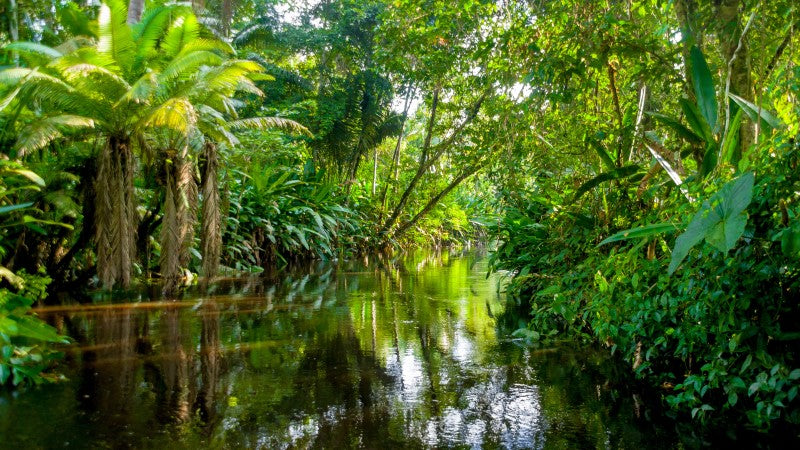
[636,162]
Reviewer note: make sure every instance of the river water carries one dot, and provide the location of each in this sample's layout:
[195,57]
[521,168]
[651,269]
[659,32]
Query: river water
[408,353]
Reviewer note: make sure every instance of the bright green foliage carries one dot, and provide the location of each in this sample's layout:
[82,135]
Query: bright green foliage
[24,354]
[720,221]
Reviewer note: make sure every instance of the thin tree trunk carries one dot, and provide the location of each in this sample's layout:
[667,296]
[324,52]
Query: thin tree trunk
[435,200]
[135,9]
[13,26]
[394,170]
[686,11]
[423,165]
[426,158]
[741,83]
[198,6]
[375,171]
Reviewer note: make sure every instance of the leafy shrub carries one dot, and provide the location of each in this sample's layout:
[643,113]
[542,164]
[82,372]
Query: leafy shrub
[717,330]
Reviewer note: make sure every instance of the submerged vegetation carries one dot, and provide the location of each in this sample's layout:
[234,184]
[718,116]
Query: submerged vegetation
[635,163]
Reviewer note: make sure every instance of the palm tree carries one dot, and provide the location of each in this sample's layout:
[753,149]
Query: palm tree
[163,87]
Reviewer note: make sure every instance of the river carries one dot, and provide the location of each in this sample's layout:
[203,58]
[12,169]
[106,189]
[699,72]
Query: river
[408,353]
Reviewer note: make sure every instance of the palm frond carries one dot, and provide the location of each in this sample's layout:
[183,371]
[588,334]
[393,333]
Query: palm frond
[115,34]
[141,90]
[41,132]
[266,123]
[186,66]
[183,30]
[177,114]
[91,77]
[34,54]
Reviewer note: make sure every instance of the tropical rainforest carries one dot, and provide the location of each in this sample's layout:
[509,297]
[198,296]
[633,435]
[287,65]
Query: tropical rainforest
[631,164]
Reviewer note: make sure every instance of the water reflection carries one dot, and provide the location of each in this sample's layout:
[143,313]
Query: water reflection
[377,354]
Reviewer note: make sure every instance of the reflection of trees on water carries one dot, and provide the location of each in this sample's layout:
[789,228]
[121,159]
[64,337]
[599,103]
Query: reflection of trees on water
[401,352]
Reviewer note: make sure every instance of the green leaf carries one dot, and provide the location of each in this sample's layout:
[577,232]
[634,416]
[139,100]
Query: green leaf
[734,198]
[32,327]
[709,159]
[622,172]
[603,154]
[720,220]
[795,374]
[704,87]
[696,121]
[731,142]
[639,232]
[680,128]
[768,121]
[9,208]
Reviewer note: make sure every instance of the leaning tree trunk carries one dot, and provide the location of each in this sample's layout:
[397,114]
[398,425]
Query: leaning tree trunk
[177,227]
[135,9]
[212,222]
[115,213]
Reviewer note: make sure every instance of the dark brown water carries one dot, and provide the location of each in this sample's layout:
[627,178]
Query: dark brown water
[413,353]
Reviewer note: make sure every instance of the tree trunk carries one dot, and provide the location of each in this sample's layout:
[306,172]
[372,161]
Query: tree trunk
[211,216]
[135,10]
[686,11]
[177,227]
[227,17]
[394,170]
[115,213]
[730,32]
[13,26]
[423,166]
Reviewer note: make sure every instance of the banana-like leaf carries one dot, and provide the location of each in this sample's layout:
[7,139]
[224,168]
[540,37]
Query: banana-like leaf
[678,127]
[639,232]
[704,87]
[603,154]
[696,121]
[731,141]
[768,121]
[622,172]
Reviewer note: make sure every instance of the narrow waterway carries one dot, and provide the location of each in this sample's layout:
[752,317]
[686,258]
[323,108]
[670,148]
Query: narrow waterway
[410,353]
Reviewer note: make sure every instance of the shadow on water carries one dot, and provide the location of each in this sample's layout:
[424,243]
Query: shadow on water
[411,352]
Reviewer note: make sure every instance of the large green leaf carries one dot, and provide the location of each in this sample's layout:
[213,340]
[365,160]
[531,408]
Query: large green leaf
[681,129]
[622,172]
[721,220]
[639,232]
[704,87]
[768,121]
[603,154]
[696,121]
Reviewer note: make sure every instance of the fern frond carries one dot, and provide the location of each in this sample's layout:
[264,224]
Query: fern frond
[141,90]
